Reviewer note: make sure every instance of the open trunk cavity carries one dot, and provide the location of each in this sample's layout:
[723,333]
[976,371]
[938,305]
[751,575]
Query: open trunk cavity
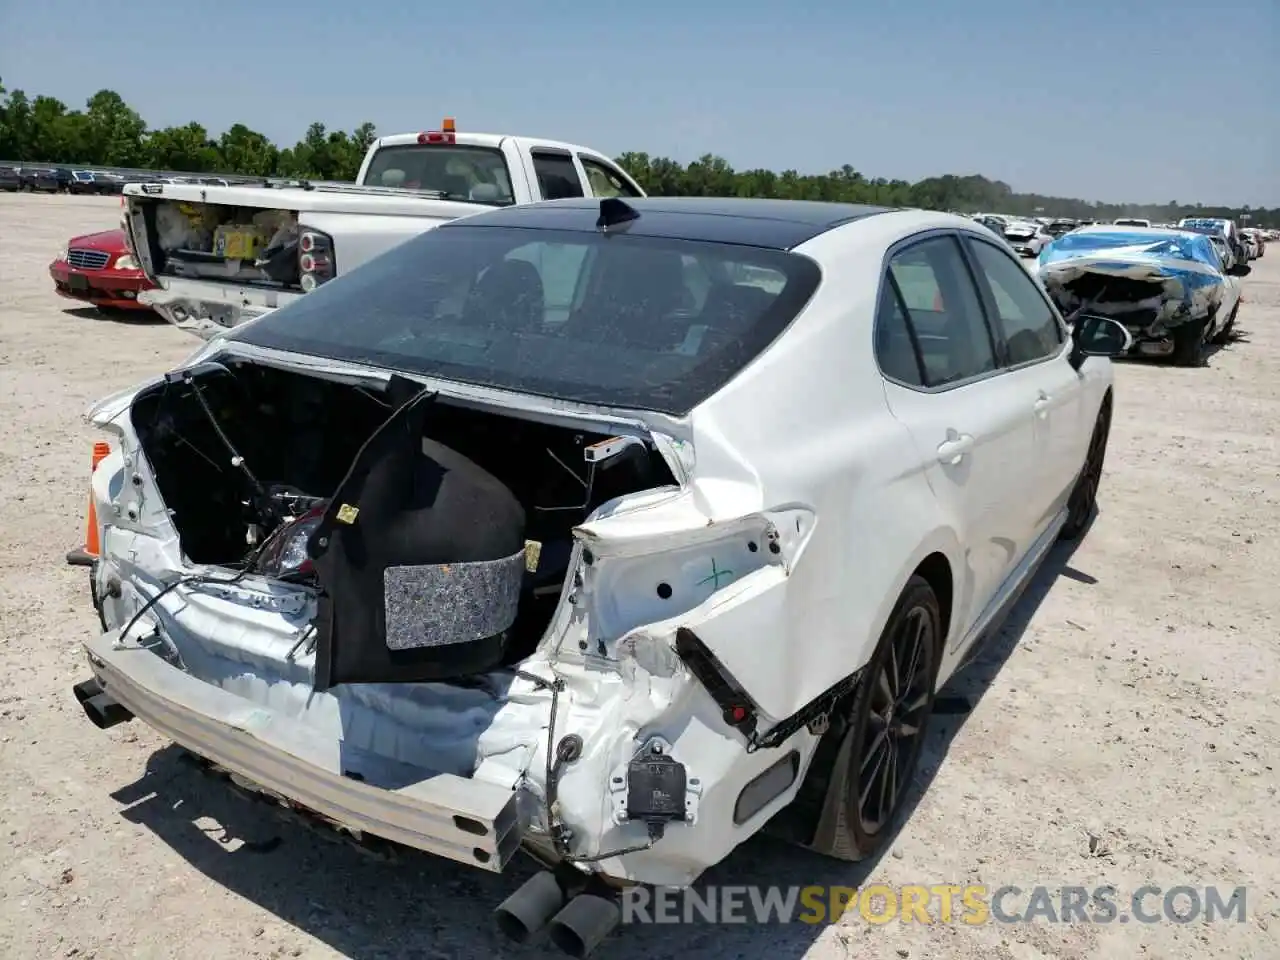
[249,246]
[438,536]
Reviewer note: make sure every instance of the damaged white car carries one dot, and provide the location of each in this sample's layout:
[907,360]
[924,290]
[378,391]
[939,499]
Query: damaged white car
[610,530]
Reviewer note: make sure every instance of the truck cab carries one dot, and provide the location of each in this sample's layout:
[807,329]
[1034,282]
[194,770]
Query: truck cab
[491,169]
[219,255]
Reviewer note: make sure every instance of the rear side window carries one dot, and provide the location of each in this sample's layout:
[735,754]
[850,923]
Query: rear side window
[935,294]
[1030,329]
[604,181]
[557,176]
[895,346]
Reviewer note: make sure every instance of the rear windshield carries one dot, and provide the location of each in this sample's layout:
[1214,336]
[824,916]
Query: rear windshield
[625,321]
[458,172]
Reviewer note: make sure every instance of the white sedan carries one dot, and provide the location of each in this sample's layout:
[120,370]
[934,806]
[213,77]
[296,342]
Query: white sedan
[609,529]
[1027,237]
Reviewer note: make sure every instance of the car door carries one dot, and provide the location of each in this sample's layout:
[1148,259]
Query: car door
[971,423]
[1036,350]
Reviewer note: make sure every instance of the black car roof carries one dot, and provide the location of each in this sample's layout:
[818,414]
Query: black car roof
[776,224]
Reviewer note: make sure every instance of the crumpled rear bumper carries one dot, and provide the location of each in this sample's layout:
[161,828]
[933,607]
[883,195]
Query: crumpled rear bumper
[468,821]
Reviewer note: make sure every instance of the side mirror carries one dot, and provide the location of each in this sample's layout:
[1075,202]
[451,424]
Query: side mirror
[1239,269]
[1095,336]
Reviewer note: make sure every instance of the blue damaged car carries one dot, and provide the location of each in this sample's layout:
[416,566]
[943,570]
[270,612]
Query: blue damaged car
[1170,288]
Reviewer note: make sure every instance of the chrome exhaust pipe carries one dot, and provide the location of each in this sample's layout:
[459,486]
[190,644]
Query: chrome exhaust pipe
[527,911]
[98,705]
[584,923]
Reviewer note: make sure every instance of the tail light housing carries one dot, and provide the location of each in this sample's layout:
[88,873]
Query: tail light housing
[284,555]
[315,259]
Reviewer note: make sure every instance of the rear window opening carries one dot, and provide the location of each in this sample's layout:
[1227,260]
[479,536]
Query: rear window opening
[625,321]
[249,246]
[302,438]
[452,171]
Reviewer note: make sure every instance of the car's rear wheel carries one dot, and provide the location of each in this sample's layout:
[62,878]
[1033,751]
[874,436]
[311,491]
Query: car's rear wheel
[883,729]
[1084,496]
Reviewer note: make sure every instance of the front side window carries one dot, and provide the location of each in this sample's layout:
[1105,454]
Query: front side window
[1030,329]
[616,320]
[455,171]
[941,305]
[557,176]
[604,181]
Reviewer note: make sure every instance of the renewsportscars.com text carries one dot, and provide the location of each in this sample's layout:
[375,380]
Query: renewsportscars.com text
[970,905]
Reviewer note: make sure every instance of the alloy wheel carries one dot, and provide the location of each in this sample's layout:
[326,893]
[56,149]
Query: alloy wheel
[897,708]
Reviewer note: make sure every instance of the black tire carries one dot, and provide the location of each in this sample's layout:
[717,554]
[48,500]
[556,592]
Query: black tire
[1084,495]
[1188,344]
[877,757]
[1224,335]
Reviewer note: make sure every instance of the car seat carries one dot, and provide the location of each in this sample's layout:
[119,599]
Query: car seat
[509,296]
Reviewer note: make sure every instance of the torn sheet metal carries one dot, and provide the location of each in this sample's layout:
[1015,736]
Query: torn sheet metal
[1163,277]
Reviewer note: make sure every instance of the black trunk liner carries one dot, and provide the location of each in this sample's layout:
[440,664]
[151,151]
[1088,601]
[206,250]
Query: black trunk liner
[408,501]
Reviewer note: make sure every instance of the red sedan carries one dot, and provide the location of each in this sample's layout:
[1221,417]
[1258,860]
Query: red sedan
[99,270]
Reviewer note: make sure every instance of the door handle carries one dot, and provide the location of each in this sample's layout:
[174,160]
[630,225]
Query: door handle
[951,452]
[1042,404]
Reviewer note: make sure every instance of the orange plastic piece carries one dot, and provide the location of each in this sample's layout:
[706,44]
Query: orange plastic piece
[91,545]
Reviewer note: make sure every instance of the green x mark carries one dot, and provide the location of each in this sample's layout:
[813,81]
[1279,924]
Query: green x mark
[716,574]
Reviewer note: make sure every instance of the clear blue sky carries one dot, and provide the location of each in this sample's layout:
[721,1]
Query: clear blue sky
[1138,100]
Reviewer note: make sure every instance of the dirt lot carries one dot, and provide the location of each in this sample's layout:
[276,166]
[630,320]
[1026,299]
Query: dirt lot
[1126,732]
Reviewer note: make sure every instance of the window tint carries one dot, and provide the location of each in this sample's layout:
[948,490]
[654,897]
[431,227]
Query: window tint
[895,352]
[604,181]
[627,321]
[944,311]
[557,176]
[1030,329]
[475,174]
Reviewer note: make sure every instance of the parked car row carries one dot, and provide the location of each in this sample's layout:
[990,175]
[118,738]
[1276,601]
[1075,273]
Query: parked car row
[42,179]
[1029,236]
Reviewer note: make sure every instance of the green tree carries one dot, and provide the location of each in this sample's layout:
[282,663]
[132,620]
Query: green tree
[113,132]
[246,151]
[182,149]
[108,132]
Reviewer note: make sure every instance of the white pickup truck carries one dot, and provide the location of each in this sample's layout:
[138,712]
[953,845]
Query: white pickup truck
[220,255]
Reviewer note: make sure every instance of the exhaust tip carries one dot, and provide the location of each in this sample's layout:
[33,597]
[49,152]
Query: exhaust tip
[583,924]
[86,690]
[527,911]
[98,706]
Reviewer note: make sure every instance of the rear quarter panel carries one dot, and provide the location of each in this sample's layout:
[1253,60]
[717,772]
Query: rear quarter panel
[807,423]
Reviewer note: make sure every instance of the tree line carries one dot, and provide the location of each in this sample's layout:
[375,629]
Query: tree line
[110,133]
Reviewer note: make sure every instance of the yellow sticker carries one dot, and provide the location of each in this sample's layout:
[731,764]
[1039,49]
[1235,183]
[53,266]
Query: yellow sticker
[532,553]
[347,513]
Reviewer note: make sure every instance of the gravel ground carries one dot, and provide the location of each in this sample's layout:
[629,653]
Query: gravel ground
[1125,735]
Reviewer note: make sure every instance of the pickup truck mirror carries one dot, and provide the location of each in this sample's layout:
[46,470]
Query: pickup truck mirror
[1097,336]
[1239,269]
